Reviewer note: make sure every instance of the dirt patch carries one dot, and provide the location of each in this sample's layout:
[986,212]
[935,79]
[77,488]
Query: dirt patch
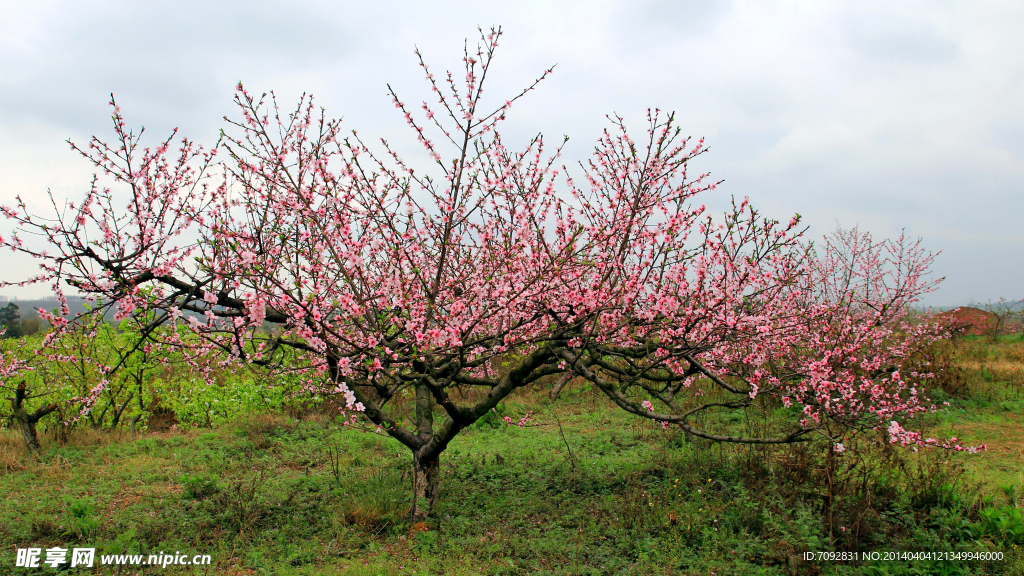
[162,419]
[124,499]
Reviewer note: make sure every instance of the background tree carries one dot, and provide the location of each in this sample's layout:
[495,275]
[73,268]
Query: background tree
[1005,317]
[29,326]
[10,320]
[861,363]
[402,285]
[26,418]
[103,368]
[15,370]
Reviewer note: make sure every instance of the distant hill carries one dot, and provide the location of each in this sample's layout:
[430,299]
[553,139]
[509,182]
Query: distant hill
[27,308]
[1015,305]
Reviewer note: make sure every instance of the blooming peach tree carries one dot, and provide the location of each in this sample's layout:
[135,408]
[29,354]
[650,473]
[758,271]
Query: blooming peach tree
[403,284]
[864,364]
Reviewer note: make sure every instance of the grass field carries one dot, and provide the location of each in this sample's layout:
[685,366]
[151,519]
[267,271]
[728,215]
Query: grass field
[583,488]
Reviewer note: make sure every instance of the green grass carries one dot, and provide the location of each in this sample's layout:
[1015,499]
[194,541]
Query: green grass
[583,489]
[265,496]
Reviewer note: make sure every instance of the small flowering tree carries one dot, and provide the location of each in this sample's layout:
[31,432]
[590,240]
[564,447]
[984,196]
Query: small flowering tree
[403,283]
[863,364]
[1002,314]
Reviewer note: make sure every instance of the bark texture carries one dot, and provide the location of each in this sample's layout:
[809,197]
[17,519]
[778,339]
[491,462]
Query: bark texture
[426,488]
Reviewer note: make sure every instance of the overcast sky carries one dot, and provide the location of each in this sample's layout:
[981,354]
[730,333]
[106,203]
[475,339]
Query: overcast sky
[887,115]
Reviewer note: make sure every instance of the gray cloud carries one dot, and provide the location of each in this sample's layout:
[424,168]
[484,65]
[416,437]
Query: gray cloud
[170,61]
[890,115]
[901,42]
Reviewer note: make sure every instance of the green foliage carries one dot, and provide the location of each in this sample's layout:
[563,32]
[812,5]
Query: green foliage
[151,388]
[124,543]
[1004,525]
[198,487]
[81,520]
[494,418]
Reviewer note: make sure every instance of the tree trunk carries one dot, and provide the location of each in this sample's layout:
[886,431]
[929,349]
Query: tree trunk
[28,430]
[426,488]
[27,421]
[135,420]
[426,485]
[119,411]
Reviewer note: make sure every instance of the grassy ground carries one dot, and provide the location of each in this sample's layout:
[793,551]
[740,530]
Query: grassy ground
[583,489]
[987,407]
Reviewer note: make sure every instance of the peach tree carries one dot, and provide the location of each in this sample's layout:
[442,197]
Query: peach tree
[402,282]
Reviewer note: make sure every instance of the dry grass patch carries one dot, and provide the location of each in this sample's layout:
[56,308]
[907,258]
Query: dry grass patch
[12,459]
